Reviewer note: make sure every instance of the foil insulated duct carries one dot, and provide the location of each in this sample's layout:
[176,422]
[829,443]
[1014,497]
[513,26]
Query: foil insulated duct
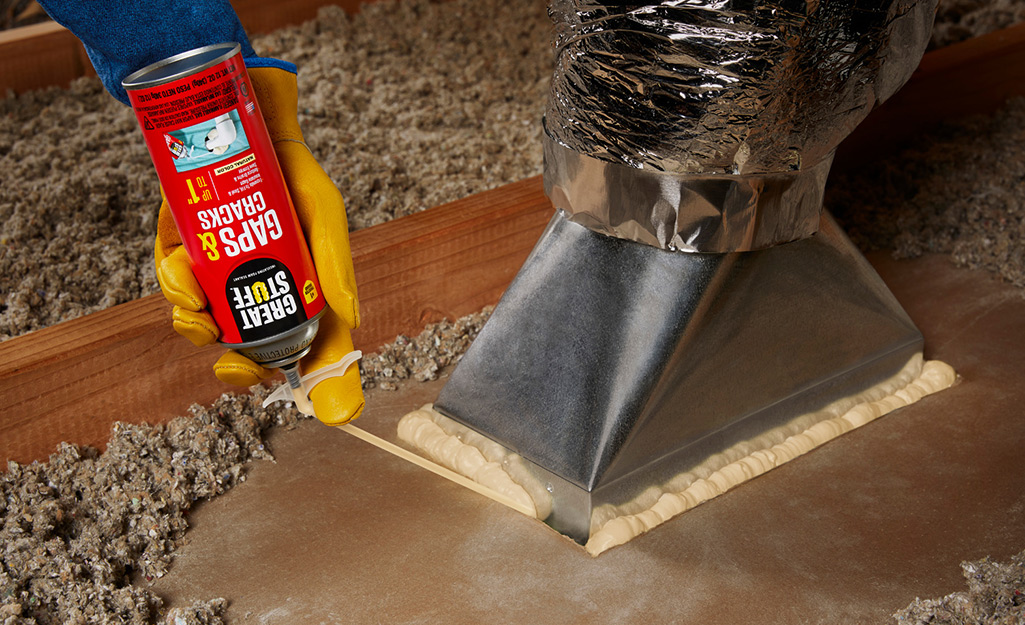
[709,126]
[615,363]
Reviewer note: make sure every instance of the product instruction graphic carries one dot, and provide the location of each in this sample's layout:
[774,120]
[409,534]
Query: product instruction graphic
[207,142]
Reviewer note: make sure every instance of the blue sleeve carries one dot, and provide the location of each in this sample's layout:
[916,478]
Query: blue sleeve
[122,36]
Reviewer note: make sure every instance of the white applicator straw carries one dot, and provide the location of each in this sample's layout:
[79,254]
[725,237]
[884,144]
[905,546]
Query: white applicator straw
[298,387]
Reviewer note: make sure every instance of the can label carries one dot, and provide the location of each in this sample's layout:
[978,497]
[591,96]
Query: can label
[223,184]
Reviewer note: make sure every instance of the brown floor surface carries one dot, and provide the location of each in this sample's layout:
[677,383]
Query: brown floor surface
[337,531]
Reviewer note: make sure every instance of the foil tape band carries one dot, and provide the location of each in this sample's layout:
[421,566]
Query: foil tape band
[714,213]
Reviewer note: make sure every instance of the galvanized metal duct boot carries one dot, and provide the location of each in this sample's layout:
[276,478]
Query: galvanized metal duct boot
[686,295]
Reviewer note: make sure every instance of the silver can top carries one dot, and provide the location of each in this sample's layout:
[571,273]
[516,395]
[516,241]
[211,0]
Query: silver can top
[180,65]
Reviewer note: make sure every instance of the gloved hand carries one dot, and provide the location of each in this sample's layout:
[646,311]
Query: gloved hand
[321,212]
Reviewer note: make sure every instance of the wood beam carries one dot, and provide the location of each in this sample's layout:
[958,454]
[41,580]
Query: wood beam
[47,54]
[72,381]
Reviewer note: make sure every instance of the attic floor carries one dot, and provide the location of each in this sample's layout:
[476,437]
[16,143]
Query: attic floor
[337,531]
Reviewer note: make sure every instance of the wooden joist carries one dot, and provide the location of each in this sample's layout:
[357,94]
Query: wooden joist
[39,56]
[972,77]
[72,381]
[47,54]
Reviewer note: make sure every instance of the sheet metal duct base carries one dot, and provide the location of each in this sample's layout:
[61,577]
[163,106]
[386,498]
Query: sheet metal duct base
[611,365]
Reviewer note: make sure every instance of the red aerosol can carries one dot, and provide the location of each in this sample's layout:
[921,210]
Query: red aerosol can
[223,184]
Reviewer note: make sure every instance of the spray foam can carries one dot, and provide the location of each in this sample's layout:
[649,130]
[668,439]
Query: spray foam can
[224,187]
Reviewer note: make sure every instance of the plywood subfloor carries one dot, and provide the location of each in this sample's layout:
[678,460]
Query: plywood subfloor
[339,532]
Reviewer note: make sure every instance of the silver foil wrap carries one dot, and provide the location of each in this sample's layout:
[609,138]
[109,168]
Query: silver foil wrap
[743,101]
[687,213]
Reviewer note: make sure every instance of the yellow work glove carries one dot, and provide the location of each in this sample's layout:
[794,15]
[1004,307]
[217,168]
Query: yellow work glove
[318,203]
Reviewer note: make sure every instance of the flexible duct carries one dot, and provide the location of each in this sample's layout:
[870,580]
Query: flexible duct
[709,126]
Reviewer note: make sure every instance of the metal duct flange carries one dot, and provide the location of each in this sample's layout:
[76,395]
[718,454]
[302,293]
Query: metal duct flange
[611,366]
